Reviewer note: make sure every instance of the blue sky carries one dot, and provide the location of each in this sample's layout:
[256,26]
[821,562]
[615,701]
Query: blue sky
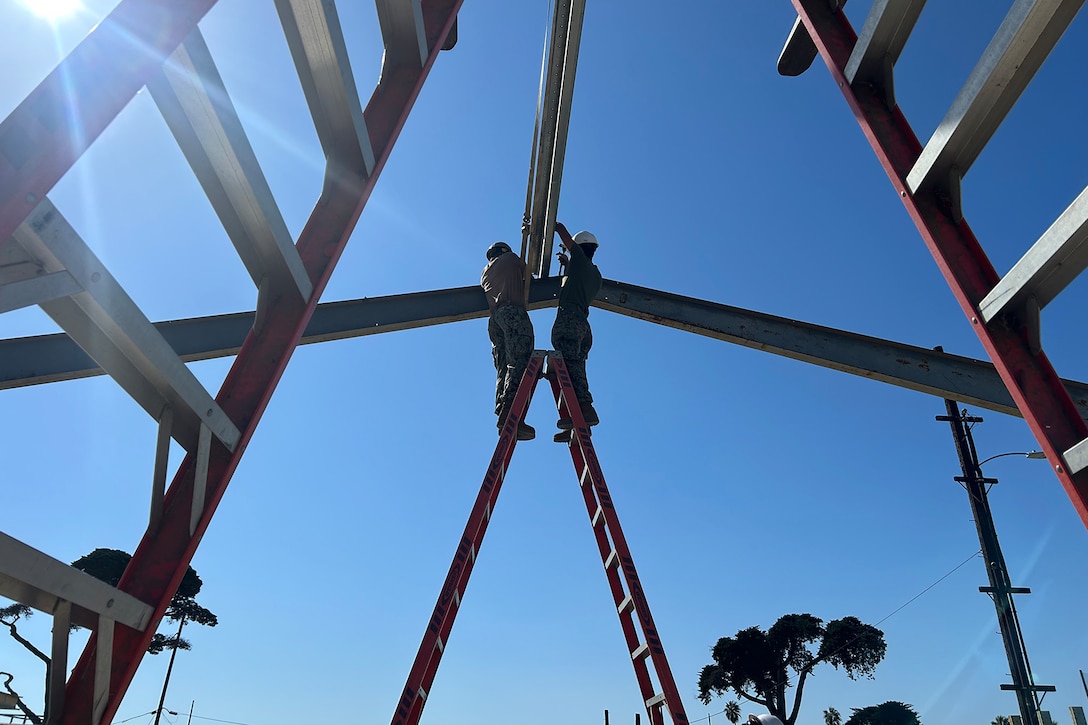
[749,486]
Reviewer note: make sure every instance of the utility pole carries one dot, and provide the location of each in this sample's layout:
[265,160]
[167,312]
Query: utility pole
[1000,589]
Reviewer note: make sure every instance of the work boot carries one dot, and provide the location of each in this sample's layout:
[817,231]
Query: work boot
[562,436]
[526,432]
[590,414]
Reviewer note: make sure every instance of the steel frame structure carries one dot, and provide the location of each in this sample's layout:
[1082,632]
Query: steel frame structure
[1004,312]
[157,44]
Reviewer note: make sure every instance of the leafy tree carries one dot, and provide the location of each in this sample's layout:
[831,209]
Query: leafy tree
[108,565]
[832,717]
[887,713]
[1000,720]
[732,711]
[756,665]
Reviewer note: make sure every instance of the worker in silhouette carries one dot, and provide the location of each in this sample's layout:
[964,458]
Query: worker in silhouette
[509,328]
[571,334]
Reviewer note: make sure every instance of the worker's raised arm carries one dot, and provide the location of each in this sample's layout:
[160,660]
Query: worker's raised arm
[564,236]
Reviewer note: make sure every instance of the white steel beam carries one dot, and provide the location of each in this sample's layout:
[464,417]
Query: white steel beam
[35,579]
[882,38]
[403,33]
[1023,41]
[37,290]
[1048,267]
[193,100]
[317,46]
[108,325]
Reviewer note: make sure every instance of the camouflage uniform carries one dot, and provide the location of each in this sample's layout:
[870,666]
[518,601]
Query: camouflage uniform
[511,335]
[571,335]
[509,327]
[572,338]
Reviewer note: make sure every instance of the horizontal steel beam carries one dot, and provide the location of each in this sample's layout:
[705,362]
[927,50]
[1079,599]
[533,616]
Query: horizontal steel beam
[48,358]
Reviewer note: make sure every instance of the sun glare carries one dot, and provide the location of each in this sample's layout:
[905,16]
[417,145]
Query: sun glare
[52,9]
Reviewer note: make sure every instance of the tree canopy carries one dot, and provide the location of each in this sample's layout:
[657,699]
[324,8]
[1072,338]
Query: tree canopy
[887,713]
[109,564]
[757,665]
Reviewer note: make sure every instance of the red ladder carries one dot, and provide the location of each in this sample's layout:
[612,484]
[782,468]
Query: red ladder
[619,566]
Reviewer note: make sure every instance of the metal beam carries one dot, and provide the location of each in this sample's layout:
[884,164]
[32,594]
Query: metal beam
[160,561]
[1023,41]
[194,102]
[882,39]
[106,323]
[405,42]
[49,358]
[317,45]
[1038,392]
[36,579]
[58,121]
[1054,261]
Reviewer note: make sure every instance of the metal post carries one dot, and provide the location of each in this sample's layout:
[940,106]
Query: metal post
[1000,588]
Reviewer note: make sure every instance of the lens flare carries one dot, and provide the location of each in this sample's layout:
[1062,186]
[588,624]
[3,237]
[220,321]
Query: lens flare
[52,9]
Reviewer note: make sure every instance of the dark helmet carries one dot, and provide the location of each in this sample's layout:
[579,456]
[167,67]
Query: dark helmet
[498,249]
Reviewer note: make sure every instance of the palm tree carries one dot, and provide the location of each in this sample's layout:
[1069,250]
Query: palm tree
[1000,720]
[732,711]
[832,717]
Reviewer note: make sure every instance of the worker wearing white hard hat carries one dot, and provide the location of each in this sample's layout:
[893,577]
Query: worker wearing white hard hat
[571,334]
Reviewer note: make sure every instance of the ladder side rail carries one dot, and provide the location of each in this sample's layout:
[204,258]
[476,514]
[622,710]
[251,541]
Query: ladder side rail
[609,560]
[582,441]
[160,560]
[44,136]
[428,657]
[1030,378]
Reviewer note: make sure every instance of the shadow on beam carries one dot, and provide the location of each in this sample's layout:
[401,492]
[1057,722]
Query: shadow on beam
[51,358]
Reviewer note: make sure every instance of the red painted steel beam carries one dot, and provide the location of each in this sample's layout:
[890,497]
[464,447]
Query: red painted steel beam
[161,559]
[45,135]
[1034,385]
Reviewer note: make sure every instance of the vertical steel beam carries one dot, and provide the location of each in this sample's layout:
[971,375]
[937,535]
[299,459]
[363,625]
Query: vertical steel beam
[1034,385]
[160,561]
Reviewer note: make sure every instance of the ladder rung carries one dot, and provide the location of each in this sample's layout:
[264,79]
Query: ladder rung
[656,700]
[641,652]
[598,516]
[626,605]
[612,560]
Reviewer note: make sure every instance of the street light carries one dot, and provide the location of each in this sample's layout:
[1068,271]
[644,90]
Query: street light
[1027,454]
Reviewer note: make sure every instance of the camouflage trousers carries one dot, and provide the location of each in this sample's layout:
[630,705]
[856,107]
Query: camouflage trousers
[572,338]
[511,334]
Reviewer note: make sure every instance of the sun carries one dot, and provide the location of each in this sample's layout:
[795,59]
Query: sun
[53,9]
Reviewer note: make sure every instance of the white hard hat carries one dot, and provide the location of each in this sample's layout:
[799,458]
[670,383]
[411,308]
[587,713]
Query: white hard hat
[764,719]
[586,238]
